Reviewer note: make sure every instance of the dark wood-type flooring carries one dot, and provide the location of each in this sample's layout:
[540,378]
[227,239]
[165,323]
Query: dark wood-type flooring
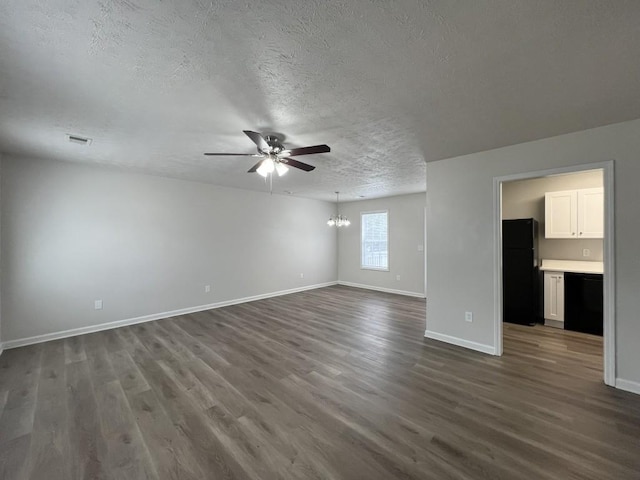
[335,383]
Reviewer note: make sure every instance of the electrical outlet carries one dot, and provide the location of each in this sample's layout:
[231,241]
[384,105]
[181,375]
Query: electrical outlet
[586,252]
[398,277]
[302,275]
[468,316]
[207,288]
[97,305]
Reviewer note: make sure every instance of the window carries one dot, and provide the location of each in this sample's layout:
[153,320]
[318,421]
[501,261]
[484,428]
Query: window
[374,242]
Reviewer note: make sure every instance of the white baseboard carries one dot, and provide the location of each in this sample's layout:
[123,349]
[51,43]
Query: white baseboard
[381,289]
[628,386]
[479,347]
[21,342]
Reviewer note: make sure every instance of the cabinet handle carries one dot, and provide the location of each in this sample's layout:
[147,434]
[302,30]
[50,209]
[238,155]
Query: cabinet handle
[580,233]
[573,233]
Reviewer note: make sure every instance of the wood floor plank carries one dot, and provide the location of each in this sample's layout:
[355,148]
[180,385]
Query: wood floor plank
[98,359]
[21,381]
[49,452]
[126,452]
[206,447]
[4,394]
[87,445]
[333,383]
[13,458]
[74,349]
[130,378]
[168,446]
[21,372]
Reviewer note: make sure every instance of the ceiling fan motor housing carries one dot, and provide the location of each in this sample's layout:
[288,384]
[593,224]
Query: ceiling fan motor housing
[275,146]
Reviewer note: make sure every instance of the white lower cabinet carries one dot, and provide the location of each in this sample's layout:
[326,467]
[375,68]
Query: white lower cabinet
[554,299]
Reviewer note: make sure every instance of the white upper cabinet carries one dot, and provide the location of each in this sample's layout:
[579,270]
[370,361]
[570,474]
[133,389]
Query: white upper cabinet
[591,213]
[561,214]
[574,213]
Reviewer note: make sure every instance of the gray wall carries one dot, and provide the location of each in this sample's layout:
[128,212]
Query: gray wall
[145,245]
[525,199]
[406,233]
[460,251]
[1,156]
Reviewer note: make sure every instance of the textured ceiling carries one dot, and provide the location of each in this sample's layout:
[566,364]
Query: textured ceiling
[387,84]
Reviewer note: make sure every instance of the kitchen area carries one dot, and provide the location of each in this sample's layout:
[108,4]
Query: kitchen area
[552,237]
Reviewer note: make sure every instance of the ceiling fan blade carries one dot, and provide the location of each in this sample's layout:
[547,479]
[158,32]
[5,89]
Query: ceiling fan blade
[255,167]
[234,154]
[306,150]
[295,163]
[257,139]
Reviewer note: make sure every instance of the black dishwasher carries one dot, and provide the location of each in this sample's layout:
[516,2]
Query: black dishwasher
[583,302]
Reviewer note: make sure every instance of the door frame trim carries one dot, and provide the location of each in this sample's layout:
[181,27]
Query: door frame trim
[609,340]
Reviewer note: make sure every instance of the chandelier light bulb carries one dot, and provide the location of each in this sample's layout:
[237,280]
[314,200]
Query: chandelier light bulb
[338,220]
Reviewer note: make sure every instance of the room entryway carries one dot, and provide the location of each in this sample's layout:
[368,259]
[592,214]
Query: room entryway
[554,248]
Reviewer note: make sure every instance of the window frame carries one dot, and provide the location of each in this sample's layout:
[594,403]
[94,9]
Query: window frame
[366,267]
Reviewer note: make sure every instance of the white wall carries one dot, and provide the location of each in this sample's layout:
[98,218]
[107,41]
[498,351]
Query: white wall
[460,263]
[525,199]
[406,233]
[1,251]
[145,245]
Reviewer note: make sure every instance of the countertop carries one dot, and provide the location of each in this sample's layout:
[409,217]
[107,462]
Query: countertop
[574,266]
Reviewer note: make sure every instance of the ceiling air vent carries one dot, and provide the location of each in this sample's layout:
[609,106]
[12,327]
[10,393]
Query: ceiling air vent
[78,139]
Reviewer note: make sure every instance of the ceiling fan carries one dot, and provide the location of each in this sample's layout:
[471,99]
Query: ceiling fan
[274,156]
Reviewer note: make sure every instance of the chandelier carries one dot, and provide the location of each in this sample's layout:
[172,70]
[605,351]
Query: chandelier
[338,220]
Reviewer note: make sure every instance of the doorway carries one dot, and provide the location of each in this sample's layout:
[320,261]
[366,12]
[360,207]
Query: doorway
[606,252]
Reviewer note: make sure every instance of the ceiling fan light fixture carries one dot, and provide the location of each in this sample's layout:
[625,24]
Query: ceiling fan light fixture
[274,157]
[281,169]
[266,167]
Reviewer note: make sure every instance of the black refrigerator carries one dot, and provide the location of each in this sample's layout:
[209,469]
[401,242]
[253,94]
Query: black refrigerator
[520,275]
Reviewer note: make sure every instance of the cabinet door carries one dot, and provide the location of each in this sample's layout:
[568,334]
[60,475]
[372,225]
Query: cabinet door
[561,214]
[554,296]
[591,213]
